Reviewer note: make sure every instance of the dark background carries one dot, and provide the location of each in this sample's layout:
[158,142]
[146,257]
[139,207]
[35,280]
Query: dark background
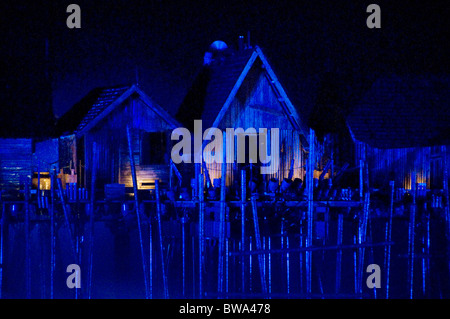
[47,67]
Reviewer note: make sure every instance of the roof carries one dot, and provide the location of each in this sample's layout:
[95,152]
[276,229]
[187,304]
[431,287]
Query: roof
[211,88]
[98,103]
[403,111]
[217,83]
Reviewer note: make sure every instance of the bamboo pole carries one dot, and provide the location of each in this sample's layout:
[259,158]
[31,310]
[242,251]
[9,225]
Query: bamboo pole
[136,201]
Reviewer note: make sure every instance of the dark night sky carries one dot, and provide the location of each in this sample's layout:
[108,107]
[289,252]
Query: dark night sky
[165,41]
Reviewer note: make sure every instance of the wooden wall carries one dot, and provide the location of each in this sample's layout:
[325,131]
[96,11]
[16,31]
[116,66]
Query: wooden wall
[398,164]
[15,164]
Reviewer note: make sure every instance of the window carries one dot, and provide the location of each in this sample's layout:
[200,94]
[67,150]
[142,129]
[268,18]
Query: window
[153,148]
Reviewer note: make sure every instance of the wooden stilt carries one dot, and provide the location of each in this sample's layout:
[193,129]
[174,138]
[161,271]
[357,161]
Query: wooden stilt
[150,255]
[52,234]
[243,203]
[269,288]
[227,274]
[193,265]
[27,240]
[222,222]
[389,235]
[301,257]
[91,217]
[258,245]
[161,244]
[2,235]
[340,232]
[138,215]
[201,239]
[362,235]
[183,253]
[412,223]
[447,203]
[310,212]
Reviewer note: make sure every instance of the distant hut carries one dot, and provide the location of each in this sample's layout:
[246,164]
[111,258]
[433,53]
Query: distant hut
[402,126]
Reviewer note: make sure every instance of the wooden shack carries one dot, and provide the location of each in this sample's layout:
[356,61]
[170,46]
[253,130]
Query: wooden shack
[97,125]
[402,127]
[239,89]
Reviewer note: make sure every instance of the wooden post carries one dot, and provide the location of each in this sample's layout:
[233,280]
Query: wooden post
[66,217]
[206,174]
[243,200]
[361,179]
[362,235]
[198,169]
[2,235]
[447,198]
[183,244]
[389,235]
[222,221]
[310,212]
[201,225]
[411,237]
[27,240]
[161,244]
[91,217]
[150,255]
[52,234]
[136,202]
[340,233]
[364,218]
[258,245]
[269,266]
[38,190]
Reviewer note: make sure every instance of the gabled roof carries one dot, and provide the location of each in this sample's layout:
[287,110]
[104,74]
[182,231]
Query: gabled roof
[399,112]
[100,102]
[217,84]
